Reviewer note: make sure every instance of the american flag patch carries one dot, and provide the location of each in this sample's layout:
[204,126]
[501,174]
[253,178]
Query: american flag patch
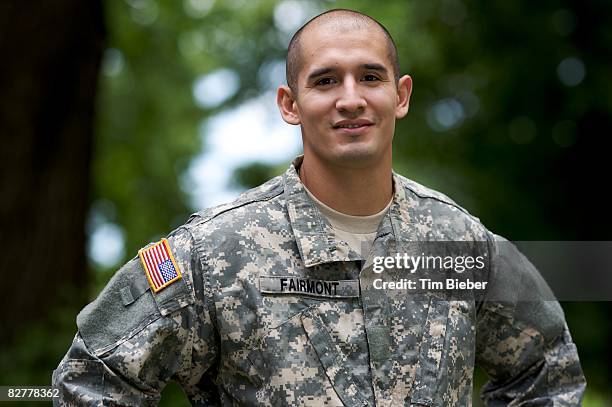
[159,265]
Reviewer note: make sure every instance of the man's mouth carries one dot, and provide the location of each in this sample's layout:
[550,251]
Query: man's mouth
[352,124]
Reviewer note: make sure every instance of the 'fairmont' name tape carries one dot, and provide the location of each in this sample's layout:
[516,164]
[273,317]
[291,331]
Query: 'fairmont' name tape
[307,286]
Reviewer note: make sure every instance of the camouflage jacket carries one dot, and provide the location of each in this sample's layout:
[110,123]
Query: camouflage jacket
[272,309]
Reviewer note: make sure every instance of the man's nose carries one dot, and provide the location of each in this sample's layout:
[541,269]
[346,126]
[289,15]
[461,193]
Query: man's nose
[351,100]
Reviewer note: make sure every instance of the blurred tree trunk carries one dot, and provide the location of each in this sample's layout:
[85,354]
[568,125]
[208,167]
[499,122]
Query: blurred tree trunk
[51,54]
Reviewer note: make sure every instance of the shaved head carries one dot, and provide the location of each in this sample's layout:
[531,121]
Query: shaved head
[337,20]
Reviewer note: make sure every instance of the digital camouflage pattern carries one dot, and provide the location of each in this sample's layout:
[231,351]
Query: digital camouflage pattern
[228,343]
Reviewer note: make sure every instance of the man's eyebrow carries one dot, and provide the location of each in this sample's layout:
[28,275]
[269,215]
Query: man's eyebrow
[319,72]
[375,67]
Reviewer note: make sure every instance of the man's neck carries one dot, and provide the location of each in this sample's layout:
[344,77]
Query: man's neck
[352,191]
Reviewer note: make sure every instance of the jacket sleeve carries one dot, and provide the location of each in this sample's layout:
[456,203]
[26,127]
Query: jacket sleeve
[523,342]
[131,341]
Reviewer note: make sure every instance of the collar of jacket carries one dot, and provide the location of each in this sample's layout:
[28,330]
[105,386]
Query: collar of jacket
[316,239]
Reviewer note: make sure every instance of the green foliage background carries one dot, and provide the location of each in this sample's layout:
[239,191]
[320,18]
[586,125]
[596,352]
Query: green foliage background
[497,59]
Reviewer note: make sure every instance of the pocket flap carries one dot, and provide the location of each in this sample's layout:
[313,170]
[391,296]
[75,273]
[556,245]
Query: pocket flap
[426,381]
[333,360]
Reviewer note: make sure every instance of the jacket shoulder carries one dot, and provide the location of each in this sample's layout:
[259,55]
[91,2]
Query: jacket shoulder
[420,192]
[438,216]
[261,194]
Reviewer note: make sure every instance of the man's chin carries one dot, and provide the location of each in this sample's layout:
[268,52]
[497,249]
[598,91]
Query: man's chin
[358,157]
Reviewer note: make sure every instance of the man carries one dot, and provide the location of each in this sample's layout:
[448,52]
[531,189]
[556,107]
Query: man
[276,299]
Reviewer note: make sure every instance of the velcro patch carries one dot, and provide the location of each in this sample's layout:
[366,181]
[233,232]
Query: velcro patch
[307,286]
[159,265]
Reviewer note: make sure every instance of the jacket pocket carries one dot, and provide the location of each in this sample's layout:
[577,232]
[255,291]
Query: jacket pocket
[298,363]
[333,360]
[432,351]
[445,369]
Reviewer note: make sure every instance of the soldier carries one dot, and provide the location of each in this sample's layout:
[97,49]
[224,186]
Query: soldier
[273,299]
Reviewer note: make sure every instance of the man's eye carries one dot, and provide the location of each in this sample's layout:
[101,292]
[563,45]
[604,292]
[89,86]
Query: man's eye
[324,81]
[370,78]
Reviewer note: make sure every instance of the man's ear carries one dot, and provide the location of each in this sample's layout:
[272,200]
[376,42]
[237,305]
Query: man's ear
[404,90]
[287,105]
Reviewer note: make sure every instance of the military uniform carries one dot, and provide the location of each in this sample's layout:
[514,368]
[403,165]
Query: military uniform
[272,309]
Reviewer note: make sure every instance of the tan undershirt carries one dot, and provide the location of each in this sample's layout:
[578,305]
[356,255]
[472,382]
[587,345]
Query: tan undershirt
[358,231]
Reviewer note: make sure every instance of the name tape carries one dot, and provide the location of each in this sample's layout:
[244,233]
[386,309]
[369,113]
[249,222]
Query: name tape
[307,286]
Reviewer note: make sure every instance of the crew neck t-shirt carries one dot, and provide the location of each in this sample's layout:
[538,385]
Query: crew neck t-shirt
[358,231]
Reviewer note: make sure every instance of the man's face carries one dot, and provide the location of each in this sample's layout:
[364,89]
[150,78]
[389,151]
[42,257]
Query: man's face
[347,100]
